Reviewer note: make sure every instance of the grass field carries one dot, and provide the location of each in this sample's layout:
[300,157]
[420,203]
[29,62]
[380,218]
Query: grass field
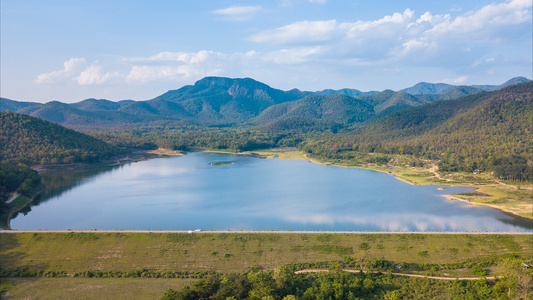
[72,253]
[91,288]
[237,252]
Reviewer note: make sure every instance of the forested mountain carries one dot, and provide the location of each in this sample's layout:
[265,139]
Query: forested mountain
[7,104]
[218,101]
[347,92]
[100,104]
[221,101]
[512,81]
[77,118]
[313,110]
[424,88]
[32,141]
[491,131]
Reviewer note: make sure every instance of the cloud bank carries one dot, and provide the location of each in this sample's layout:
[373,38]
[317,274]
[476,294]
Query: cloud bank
[307,50]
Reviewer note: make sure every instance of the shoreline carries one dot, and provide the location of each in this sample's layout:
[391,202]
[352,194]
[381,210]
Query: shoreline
[289,154]
[13,212]
[502,209]
[302,156]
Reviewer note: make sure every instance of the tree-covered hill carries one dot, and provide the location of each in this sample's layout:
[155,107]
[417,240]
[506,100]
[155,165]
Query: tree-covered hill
[34,141]
[389,101]
[422,88]
[314,110]
[425,88]
[7,104]
[490,131]
[219,101]
[512,81]
[347,92]
[100,104]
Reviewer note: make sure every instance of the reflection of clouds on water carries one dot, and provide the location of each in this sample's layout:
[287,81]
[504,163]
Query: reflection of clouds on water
[185,192]
[399,222]
[137,170]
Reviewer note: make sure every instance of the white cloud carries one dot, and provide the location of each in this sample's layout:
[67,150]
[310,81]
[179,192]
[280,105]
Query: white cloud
[292,56]
[70,67]
[92,75]
[183,57]
[322,31]
[437,39]
[485,22]
[177,65]
[300,32]
[238,13]
[455,81]
[311,54]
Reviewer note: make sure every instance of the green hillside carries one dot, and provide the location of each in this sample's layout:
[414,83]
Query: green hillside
[490,131]
[100,104]
[333,109]
[224,102]
[427,88]
[7,104]
[220,101]
[31,140]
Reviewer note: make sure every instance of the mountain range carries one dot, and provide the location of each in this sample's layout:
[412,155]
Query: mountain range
[219,101]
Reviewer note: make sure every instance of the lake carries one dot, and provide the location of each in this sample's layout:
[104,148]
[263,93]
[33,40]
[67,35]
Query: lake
[228,192]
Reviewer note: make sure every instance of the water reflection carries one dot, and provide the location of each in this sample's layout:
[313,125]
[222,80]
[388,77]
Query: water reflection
[59,182]
[189,192]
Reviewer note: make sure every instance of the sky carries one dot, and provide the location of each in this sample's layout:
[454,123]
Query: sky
[70,50]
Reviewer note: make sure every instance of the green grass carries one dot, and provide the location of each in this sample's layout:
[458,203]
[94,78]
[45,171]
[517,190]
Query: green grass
[91,288]
[237,252]
[72,253]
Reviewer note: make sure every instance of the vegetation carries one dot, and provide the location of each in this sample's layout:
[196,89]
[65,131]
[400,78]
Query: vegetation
[18,185]
[33,141]
[223,102]
[268,264]
[88,288]
[407,133]
[330,111]
[73,252]
[489,131]
[258,284]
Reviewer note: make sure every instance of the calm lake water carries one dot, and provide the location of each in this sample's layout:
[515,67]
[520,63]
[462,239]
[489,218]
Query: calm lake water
[239,192]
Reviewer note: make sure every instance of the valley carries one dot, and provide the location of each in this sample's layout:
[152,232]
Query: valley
[439,135]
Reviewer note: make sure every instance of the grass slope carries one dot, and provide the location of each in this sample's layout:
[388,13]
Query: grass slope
[237,252]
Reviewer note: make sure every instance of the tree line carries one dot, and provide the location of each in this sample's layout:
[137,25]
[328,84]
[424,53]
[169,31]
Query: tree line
[336,284]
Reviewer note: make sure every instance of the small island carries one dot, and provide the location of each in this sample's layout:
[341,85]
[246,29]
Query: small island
[222,163]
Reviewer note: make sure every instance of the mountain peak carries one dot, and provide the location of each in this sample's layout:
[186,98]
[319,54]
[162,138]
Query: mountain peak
[227,82]
[515,80]
[423,88]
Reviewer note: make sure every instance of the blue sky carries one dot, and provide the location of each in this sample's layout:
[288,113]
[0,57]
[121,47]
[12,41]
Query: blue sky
[77,49]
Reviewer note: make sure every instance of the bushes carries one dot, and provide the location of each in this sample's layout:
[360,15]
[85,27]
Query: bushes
[143,273]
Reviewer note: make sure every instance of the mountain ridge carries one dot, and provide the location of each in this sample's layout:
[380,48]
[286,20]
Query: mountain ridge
[221,101]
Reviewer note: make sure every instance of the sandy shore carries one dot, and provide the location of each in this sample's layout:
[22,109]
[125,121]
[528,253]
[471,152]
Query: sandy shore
[453,198]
